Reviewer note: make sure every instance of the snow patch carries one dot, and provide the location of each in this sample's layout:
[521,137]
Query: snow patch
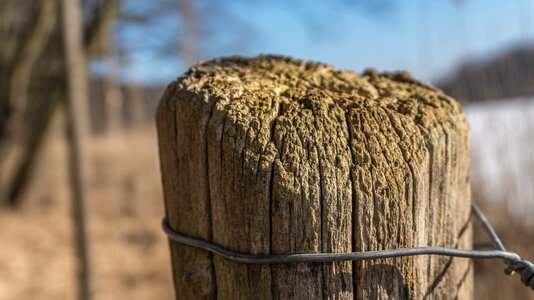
[502,148]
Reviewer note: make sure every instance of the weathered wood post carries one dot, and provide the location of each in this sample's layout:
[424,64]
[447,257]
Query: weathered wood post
[275,155]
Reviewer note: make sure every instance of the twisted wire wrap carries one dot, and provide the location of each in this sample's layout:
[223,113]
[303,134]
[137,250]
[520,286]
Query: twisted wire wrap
[518,265]
[523,267]
[514,263]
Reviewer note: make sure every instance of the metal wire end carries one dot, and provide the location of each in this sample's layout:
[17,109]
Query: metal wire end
[523,267]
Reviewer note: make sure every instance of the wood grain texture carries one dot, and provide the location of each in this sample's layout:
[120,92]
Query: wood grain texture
[275,155]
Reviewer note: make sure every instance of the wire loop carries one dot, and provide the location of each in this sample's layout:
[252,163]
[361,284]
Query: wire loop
[514,263]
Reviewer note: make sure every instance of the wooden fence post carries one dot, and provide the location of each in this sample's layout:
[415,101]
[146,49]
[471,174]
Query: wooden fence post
[275,155]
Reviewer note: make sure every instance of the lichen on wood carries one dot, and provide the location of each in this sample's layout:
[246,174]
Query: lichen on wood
[276,155]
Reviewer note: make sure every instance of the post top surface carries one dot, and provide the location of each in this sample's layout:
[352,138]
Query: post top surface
[269,76]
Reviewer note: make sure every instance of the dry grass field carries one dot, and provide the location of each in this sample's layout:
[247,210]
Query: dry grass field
[502,177]
[130,254]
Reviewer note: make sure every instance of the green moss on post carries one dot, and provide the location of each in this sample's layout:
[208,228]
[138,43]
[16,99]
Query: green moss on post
[276,155]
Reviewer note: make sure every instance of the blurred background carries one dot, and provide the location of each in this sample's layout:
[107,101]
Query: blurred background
[80,80]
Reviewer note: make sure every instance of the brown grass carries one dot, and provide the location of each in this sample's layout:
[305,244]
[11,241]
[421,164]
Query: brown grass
[490,280]
[129,252]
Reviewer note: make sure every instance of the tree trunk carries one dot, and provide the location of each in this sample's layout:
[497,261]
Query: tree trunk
[19,137]
[138,110]
[112,79]
[272,155]
[113,94]
[77,126]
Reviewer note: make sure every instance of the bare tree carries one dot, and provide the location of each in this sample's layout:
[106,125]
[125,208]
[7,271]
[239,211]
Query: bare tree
[32,48]
[27,33]
[77,112]
[106,48]
[32,80]
[112,91]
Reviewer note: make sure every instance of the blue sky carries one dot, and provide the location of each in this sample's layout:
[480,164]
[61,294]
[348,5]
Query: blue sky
[428,38]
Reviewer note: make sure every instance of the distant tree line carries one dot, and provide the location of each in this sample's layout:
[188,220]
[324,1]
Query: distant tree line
[508,75]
